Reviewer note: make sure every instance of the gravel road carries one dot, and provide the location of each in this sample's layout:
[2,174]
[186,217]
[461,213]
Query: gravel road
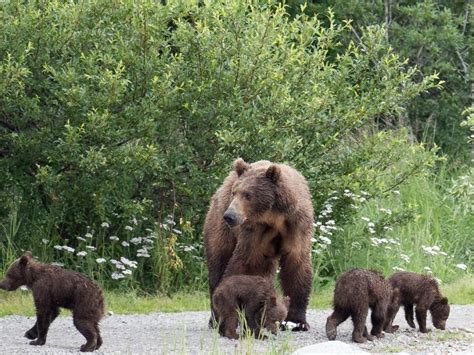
[187,333]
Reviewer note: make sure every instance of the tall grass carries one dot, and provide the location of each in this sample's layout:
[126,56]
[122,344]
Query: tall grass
[416,228]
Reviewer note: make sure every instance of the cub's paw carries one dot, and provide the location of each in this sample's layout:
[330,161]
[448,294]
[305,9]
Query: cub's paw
[38,342]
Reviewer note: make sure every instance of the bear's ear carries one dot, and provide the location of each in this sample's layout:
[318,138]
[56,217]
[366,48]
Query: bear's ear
[444,300]
[286,301]
[240,166]
[273,173]
[25,258]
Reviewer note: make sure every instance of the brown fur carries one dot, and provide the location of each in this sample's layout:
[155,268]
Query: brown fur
[356,291]
[269,222]
[422,291]
[256,296]
[54,287]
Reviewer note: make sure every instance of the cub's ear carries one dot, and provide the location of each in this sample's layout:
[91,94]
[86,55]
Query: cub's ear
[286,301]
[240,166]
[273,173]
[444,300]
[25,258]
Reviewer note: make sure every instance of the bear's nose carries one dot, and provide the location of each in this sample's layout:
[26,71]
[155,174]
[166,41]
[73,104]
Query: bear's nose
[230,218]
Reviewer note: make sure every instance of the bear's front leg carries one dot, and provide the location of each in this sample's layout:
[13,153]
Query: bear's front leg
[296,277]
[43,322]
[33,332]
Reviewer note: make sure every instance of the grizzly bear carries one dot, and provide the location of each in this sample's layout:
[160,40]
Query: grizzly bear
[256,296]
[54,287]
[356,291]
[262,217]
[422,291]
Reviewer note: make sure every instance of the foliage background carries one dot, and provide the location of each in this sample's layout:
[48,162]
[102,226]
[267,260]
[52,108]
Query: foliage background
[119,119]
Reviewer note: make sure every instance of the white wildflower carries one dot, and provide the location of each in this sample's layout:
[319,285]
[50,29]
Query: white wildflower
[117,275]
[125,243]
[128,228]
[114,238]
[82,253]
[134,221]
[176,231]
[100,260]
[325,240]
[58,247]
[69,249]
[120,266]
[396,268]
[88,235]
[57,264]
[367,219]
[405,258]
[136,240]
[462,266]
[81,239]
[45,241]
[23,288]
[127,272]
[129,263]
[105,225]
[91,247]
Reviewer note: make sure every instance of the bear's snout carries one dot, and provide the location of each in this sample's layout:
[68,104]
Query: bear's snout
[231,218]
[5,285]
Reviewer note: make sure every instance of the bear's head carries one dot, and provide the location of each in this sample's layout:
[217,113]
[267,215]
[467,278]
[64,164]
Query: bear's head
[276,311]
[16,273]
[254,192]
[440,312]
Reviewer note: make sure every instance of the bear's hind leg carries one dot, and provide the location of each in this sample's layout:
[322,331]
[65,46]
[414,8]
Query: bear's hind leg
[359,318]
[336,318]
[378,317]
[87,329]
[409,315]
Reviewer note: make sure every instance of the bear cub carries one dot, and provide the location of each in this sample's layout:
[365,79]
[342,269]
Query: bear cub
[356,291]
[422,291]
[256,297]
[54,287]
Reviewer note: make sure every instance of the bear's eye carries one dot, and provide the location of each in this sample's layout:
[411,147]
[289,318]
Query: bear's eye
[247,195]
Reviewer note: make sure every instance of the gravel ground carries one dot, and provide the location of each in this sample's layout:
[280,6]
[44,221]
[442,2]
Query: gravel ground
[187,333]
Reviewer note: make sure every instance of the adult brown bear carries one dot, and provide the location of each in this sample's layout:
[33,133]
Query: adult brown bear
[262,217]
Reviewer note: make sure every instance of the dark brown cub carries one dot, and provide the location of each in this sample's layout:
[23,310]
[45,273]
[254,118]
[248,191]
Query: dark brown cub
[54,287]
[423,292]
[256,297]
[356,291]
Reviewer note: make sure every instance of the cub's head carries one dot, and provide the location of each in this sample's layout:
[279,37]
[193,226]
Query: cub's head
[276,312]
[16,273]
[253,193]
[440,312]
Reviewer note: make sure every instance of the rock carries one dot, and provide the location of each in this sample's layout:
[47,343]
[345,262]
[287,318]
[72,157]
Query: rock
[330,347]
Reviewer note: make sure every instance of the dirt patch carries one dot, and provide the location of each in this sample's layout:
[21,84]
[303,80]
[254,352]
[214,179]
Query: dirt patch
[187,333]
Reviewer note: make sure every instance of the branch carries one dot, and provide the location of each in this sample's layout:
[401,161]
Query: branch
[464,67]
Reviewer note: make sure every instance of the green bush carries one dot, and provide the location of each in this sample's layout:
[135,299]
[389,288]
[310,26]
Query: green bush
[119,119]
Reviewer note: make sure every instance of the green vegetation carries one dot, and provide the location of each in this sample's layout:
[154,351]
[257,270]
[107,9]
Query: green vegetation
[118,120]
